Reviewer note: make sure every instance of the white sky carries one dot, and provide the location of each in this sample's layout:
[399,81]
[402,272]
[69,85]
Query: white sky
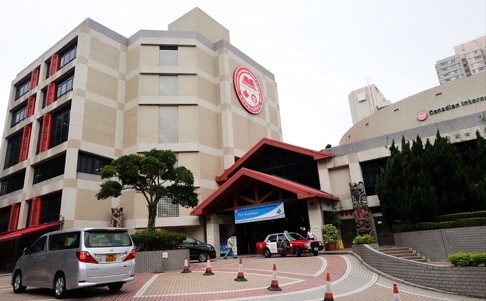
[319,51]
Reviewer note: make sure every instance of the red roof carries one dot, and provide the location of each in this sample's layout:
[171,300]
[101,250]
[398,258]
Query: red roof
[245,175]
[17,233]
[265,142]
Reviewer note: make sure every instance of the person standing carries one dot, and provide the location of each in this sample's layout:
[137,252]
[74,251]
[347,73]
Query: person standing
[311,235]
[229,246]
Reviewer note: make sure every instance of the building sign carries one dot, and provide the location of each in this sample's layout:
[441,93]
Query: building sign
[259,213]
[450,107]
[248,89]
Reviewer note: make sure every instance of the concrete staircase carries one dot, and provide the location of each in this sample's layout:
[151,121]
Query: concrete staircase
[404,253]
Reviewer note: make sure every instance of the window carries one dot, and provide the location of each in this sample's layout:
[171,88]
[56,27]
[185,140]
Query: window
[4,218]
[19,114]
[60,126]
[38,245]
[168,56]
[13,149]
[12,183]
[165,208]
[65,86]
[64,241]
[49,169]
[67,55]
[370,170]
[168,85]
[50,208]
[168,124]
[88,163]
[22,88]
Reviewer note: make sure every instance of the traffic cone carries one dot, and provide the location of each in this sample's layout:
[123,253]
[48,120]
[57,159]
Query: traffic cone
[240,277]
[396,294]
[328,294]
[186,266]
[274,286]
[208,267]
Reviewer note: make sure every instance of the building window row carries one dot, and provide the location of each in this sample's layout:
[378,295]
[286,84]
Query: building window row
[49,169]
[88,163]
[165,208]
[22,88]
[12,183]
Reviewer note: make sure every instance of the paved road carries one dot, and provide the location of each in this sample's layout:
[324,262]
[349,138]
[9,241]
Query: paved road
[299,278]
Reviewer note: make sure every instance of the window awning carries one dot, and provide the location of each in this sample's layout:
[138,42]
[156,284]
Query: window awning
[18,233]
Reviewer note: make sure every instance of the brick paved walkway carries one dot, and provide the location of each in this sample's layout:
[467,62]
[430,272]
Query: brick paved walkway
[300,278]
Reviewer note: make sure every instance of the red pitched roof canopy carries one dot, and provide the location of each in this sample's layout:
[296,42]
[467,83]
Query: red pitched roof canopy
[264,143]
[243,176]
[18,233]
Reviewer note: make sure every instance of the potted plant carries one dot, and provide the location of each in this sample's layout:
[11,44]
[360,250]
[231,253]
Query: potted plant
[330,236]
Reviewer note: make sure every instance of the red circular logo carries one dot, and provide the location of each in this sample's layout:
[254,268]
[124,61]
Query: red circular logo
[422,115]
[248,90]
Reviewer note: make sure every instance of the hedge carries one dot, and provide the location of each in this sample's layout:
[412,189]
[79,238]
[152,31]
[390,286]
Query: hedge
[468,259]
[459,223]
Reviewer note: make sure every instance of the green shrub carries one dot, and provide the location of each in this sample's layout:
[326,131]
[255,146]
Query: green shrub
[456,216]
[364,239]
[458,223]
[467,259]
[155,240]
[329,233]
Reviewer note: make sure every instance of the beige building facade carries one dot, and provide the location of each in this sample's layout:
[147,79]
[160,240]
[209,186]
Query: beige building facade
[96,95]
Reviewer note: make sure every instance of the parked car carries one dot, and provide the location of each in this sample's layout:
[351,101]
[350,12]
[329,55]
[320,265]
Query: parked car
[288,243]
[198,250]
[77,258]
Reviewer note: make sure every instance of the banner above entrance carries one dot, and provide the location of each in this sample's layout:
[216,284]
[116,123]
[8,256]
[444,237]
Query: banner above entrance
[259,213]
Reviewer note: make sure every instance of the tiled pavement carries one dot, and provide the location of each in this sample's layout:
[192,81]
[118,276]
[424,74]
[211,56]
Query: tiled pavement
[299,278]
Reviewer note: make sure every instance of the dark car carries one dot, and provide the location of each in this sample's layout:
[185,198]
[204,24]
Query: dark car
[198,250]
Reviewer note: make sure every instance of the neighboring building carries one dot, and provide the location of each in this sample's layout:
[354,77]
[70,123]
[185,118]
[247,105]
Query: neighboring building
[470,59]
[365,101]
[457,109]
[96,95]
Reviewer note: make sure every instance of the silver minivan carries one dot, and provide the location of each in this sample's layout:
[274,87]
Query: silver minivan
[76,258]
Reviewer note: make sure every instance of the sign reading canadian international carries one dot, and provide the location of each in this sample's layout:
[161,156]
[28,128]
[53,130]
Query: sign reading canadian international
[248,89]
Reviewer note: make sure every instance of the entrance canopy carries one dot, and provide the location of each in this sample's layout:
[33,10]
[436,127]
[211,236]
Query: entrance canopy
[249,188]
[25,231]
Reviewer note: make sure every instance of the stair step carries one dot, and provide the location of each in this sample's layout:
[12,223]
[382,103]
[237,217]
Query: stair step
[404,253]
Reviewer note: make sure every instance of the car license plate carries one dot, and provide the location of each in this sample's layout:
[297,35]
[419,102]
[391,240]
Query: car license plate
[110,257]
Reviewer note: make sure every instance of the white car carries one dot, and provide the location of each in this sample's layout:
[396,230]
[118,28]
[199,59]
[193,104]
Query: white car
[70,259]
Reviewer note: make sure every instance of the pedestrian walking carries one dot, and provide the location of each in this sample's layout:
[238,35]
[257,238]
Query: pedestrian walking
[229,246]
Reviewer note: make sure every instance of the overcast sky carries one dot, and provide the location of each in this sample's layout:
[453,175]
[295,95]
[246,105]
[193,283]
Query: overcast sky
[319,51]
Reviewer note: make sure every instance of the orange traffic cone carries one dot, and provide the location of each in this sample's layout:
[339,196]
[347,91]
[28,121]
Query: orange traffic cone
[328,294]
[240,277]
[274,286]
[208,267]
[186,266]
[396,294]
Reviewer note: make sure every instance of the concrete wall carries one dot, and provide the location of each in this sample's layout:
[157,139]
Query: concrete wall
[462,280]
[156,262]
[438,244]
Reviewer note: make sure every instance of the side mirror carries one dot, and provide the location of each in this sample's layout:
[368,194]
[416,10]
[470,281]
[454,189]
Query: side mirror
[26,251]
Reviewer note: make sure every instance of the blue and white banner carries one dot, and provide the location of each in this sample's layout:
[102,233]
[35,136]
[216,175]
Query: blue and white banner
[259,213]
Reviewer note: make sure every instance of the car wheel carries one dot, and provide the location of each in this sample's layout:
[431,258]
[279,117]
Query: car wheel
[298,251]
[60,287]
[115,287]
[267,253]
[17,283]
[202,257]
[315,253]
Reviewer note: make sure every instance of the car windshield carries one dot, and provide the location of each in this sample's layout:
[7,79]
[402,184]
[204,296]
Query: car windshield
[107,238]
[294,236]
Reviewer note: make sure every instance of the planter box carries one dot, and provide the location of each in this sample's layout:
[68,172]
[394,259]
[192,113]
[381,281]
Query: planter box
[160,261]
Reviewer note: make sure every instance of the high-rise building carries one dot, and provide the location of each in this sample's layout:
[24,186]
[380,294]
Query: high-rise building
[365,101]
[96,95]
[470,58]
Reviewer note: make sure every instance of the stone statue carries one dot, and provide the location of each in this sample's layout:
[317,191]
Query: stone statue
[360,206]
[117,217]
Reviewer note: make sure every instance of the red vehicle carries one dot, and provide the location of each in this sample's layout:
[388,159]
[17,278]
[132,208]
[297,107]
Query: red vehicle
[288,243]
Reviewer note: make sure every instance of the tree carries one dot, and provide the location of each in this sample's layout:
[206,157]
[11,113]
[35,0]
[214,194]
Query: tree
[153,174]
[420,182]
